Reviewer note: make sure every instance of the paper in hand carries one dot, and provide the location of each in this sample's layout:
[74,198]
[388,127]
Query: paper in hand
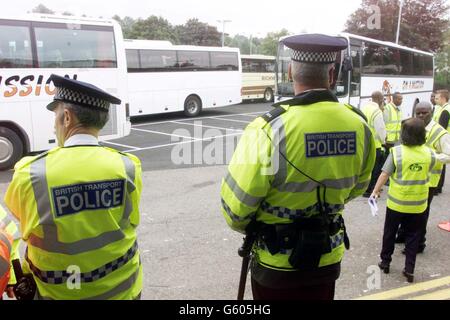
[373,206]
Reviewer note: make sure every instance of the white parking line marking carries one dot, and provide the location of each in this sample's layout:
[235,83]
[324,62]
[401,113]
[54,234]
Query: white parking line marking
[183,142]
[166,134]
[241,121]
[199,118]
[119,144]
[206,126]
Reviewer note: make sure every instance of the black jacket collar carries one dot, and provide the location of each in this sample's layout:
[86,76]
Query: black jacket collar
[309,97]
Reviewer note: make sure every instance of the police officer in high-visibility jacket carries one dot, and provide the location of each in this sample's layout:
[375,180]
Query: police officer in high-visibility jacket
[293,171]
[392,119]
[9,242]
[438,139]
[409,167]
[78,204]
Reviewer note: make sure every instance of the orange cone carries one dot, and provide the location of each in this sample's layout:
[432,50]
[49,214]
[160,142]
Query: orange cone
[444,226]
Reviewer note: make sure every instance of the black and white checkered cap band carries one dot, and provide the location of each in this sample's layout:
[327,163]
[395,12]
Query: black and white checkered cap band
[76,97]
[313,57]
[58,277]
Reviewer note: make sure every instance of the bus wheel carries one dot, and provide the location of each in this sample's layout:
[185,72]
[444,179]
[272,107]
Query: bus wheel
[268,95]
[192,106]
[11,148]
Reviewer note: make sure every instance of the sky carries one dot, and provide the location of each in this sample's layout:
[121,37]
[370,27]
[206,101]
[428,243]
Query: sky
[248,17]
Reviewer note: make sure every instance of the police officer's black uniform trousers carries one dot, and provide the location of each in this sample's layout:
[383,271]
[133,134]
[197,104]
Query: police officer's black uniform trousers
[413,225]
[317,284]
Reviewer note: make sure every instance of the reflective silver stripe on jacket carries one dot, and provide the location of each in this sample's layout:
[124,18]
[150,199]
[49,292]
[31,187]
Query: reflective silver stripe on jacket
[407,203]
[436,134]
[243,196]
[50,241]
[309,186]
[280,147]
[234,216]
[58,277]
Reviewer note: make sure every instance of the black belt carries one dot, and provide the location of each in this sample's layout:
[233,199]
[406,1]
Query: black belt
[282,237]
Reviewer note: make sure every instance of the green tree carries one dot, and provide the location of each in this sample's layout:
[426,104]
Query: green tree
[127,24]
[152,28]
[42,9]
[197,33]
[423,22]
[269,44]
[442,62]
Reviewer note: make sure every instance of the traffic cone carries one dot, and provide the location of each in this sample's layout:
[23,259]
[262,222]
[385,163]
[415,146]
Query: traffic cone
[444,226]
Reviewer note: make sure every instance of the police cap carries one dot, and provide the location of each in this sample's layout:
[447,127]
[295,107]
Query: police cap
[80,93]
[315,48]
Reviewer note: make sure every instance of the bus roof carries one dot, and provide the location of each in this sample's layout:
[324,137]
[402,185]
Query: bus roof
[167,45]
[37,17]
[257,57]
[384,43]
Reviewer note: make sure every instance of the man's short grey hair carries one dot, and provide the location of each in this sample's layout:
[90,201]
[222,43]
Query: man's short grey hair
[311,73]
[88,118]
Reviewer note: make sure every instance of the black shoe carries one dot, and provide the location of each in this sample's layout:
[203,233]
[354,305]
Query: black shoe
[367,194]
[409,276]
[383,266]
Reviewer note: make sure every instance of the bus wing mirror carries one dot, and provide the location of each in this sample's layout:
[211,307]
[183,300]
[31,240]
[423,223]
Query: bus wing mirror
[347,64]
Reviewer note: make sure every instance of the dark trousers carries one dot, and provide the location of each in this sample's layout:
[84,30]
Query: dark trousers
[413,227]
[423,239]
[441,181]
[379,161]
[323,291]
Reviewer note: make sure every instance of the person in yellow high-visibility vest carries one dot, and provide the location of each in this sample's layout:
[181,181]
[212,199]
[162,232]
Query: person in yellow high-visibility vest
[442,116]
[408,167]
[438,139]
[293,171]
[392,118]
[78,204]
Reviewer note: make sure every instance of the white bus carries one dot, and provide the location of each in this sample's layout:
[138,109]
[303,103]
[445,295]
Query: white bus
[258,77]
[376,66]
[166,78]
[34,47]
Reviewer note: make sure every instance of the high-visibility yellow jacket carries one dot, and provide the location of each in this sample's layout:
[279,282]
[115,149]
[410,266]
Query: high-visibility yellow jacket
[78,209]
[371,111]
[409,184]
[393,122]
[432,139]
[326,141]
[8,226]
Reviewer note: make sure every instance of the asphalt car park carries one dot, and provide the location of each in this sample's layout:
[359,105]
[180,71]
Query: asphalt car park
[153,138]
